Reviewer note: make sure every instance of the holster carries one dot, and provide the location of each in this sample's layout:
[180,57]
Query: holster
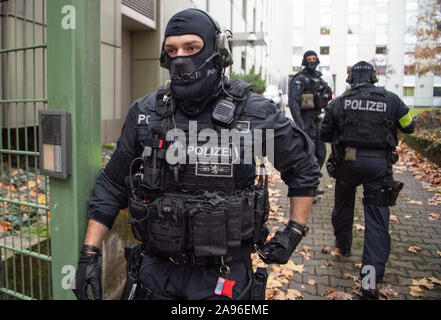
[258,288]
[133,289]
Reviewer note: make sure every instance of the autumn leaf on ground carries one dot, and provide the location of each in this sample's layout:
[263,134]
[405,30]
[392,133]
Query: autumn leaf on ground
[292,294]
[435,281]
[338,295]
[359,227]
[358,266]
[5,226]
[336,252]
[416,291]
[306,249]
[408,217]
[434,217]
[350,276]
[311,282]
[394,218]
[423,283]
[326,250]
[387,292]
[439,253]
[329,186]
[329,263]
[419,203]
[415,249]
[295,267]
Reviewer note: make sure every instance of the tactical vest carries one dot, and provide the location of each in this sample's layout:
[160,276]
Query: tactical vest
[317,96]
[366,122]
[190,210]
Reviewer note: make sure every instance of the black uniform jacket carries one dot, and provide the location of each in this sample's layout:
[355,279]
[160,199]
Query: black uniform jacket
[294,154]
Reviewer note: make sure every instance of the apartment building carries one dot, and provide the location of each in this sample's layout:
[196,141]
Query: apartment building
[131,39]
[379,31]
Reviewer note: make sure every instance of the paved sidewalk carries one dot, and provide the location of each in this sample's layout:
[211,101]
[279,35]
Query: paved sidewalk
[327,272]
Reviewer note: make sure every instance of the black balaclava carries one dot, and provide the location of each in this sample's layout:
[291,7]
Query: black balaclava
[194,79]
[362,73]
[310,66]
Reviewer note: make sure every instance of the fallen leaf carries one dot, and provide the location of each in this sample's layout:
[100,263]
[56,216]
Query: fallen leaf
[326,250]
[408,217]
[311,282]
[306,248]
[358,266]
[329,186]
[435,281]
[387,292]
[423,283]
[434,216]
[415,202]
[439,252]
[292,294]
[338,295]
[336,252]
[416,291]
[359,227]
[415,249]
[394,218]
[329,263]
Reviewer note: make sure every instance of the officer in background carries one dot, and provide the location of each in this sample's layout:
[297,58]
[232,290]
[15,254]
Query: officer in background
[362,127]
[309,94]
[198,223]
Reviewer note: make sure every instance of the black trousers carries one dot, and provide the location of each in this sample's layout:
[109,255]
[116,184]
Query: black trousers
[165,280]
[369,172]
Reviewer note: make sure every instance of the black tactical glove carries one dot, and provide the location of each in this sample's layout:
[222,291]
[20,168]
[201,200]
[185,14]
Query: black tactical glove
[88,273]
[280,248]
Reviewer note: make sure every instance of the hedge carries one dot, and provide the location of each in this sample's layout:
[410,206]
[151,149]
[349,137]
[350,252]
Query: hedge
[430,149]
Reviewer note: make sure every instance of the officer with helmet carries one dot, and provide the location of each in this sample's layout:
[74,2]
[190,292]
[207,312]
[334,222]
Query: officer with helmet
[362,126]
[309,95]
[198,221]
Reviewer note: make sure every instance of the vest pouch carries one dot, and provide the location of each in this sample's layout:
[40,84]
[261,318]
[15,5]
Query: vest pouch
[234,221]
[139,219]
[152,178]
[167,226]
[248,220]
[307,101]
[210,237]
[259,215]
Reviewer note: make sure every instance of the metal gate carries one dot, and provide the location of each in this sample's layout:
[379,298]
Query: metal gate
[25,265]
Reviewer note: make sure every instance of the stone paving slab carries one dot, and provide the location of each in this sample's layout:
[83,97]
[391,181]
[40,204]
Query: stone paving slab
[412,229]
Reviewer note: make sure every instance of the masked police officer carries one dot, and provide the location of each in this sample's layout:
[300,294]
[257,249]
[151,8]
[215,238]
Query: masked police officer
[198,222]
[309,94]
[362,127]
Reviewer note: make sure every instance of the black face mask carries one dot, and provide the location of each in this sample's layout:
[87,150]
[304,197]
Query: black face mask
[195,78]
[311,66]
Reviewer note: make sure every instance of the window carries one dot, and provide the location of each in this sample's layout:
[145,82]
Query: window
[409,91]
[243,64]
[437,91]
[325,31]
[381,50]
[324,50]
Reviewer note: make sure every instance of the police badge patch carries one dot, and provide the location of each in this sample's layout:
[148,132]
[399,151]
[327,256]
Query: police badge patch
[220,170]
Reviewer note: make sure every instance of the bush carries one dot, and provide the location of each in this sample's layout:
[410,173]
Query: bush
[259,85]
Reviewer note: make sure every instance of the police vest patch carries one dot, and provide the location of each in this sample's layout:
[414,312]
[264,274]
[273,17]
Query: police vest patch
[366,105]
[214,170]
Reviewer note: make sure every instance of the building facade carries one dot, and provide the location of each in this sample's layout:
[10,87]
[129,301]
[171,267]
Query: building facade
[132,35]
[344,32]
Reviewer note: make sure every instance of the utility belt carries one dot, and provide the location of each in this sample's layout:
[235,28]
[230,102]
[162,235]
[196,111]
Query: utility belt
[200,229]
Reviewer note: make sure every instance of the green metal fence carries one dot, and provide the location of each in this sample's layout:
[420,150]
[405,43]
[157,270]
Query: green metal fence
[25,265]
